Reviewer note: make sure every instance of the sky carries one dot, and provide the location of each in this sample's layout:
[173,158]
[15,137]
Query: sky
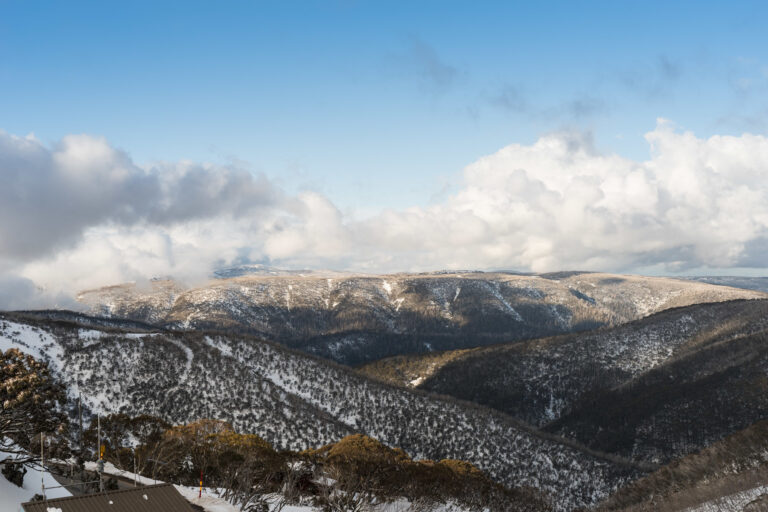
[140,139]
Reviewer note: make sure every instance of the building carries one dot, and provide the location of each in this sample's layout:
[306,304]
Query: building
[152,498]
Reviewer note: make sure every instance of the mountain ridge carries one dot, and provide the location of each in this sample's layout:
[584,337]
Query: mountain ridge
[613,387]
[355,319]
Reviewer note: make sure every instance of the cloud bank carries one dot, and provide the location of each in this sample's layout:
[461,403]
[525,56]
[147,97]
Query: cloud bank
[81,214]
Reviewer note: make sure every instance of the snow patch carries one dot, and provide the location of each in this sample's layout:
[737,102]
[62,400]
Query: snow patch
[190,356]
[498,296]
[11,496]
[416,382]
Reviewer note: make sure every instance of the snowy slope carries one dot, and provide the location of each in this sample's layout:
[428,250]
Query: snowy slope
[296,402]
[652,389]
[355,319]
[541,380]
[11,496]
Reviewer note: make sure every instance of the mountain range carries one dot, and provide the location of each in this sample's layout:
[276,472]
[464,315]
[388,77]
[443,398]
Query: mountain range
[580,385]
[355,319]
[296,401]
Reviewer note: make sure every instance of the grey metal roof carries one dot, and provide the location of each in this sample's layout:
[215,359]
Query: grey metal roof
[152,498]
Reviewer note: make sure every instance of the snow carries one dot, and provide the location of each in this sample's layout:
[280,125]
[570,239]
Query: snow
[217,344]
[89,336]
[736,501]
[188,353]
[33,341]
[93,336]
[110,469]
[353,404]
[211,501]
[288,297]
[387,287]
[11,497]
[494,289]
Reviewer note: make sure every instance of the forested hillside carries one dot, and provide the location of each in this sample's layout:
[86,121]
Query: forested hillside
[355,319]
[727,476]
[652,389]
[295,401]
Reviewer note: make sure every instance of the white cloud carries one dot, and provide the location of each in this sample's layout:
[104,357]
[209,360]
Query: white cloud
[82,214]
[51,196]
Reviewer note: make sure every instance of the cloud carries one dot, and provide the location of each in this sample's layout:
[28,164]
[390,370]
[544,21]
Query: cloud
[559,204]
[81,214]
[668,69]
[512,99]
[432,71]
[17,293]
[51,196]
[652,80]
[747,77]
[649,80]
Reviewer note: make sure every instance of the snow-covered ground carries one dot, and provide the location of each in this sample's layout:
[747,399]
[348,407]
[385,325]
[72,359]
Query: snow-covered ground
[731,503]
[211,501]
[11,496]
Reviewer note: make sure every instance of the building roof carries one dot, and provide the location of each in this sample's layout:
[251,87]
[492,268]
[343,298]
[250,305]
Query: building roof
[152,498]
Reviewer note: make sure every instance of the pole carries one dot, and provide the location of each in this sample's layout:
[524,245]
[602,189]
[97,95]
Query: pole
[134,467]
[42,464]
[200,494]
[100,463]
[80,414]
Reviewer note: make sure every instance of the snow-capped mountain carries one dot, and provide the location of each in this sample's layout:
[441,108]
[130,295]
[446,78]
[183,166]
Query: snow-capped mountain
[296,401]
[355,319]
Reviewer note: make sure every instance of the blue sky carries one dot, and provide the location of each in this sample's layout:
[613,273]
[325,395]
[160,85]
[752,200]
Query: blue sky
[376,104]
[173,138]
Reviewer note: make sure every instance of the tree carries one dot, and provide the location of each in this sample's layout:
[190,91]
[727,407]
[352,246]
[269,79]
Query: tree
[131,442]
[30,404]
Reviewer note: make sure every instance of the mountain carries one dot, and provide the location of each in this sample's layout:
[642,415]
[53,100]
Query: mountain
[653,389]
[296,401]
[728,475]
[354,319]
[759,284]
